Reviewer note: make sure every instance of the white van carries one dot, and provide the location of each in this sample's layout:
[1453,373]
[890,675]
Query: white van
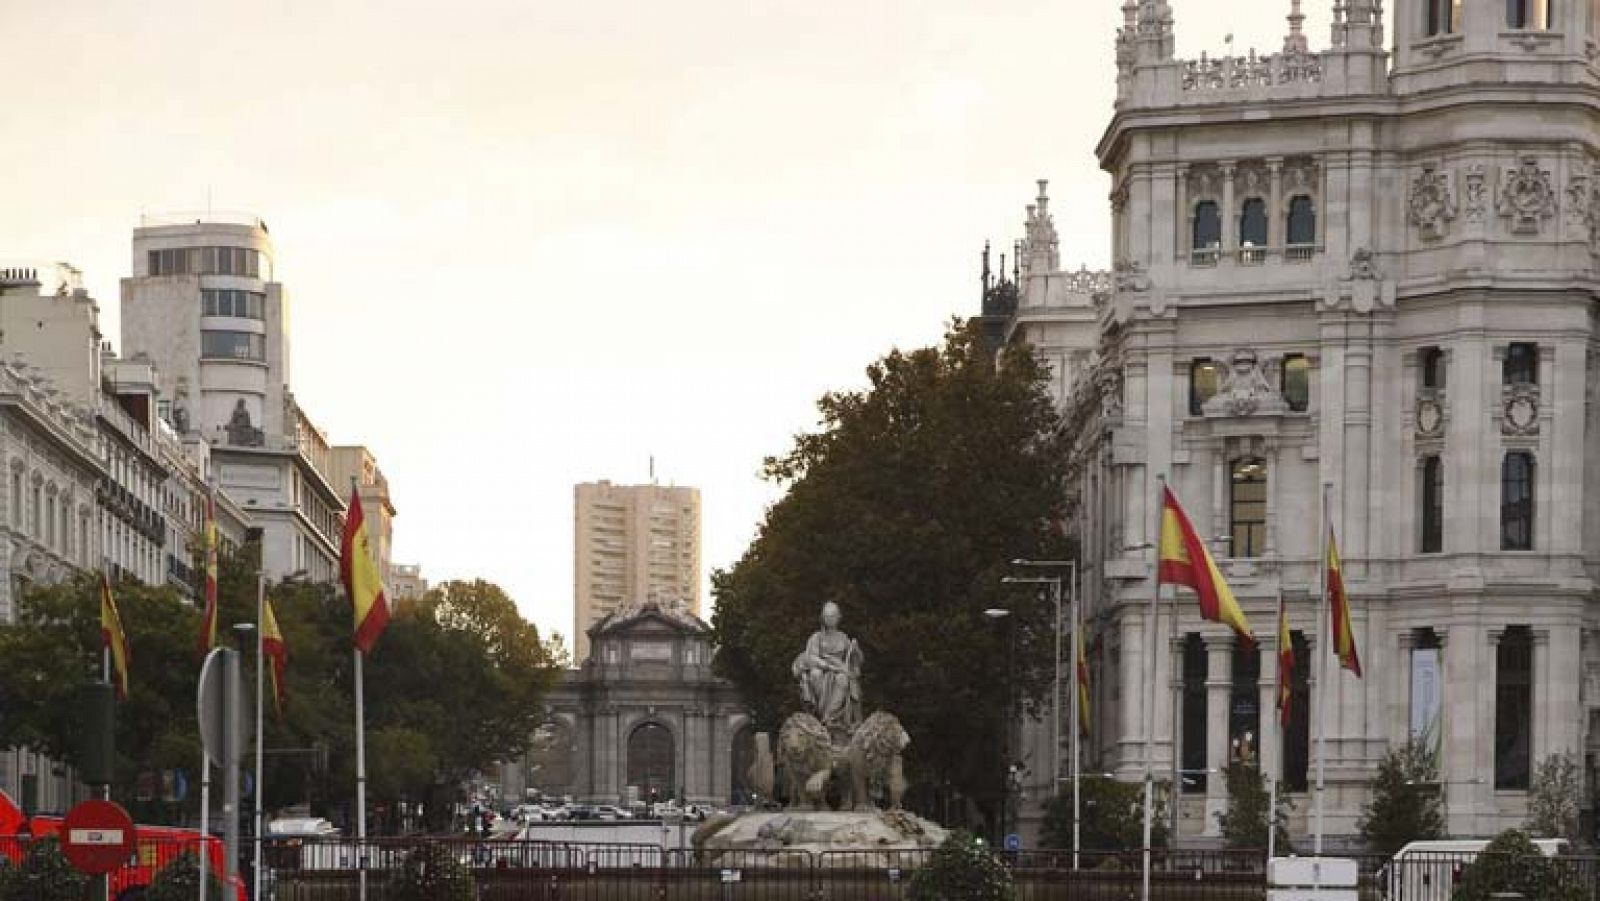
[1429,870]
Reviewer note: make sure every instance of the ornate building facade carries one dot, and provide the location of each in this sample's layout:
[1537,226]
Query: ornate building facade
[1362,274]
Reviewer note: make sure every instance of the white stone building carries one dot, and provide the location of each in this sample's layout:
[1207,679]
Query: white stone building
[203,306]
[1370,270]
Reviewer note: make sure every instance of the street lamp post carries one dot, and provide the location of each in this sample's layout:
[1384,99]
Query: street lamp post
[997,614]
[1074,713]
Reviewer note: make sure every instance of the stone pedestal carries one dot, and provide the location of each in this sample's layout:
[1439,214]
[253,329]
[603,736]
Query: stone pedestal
[867,838]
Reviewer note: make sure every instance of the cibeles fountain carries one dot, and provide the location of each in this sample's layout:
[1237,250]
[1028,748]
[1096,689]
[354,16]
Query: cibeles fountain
[843,774]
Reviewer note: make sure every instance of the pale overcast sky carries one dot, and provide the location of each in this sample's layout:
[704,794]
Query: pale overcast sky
[531,243]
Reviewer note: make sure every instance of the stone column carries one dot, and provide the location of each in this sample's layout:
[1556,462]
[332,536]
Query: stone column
[1269,450]
[1219,689]
[1230,215]
[1182,216]
[1276,213]
[1542,711]
[1130,677]
[1269,741]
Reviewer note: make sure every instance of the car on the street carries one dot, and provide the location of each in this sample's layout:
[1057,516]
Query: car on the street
[611,812]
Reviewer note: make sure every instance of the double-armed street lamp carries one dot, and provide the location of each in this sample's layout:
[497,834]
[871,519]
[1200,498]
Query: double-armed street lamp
[1055,583]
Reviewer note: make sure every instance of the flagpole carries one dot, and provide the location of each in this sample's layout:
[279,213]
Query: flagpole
[261,644]
[1277,737]
[205,821]
[1322,663]
[361,777]
[1076,712]
[1152,618]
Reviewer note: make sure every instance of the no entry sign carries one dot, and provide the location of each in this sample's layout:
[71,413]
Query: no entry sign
[97,837]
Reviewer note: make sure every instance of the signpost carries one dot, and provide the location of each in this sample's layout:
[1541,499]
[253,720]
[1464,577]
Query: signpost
[223,732]
[97,837]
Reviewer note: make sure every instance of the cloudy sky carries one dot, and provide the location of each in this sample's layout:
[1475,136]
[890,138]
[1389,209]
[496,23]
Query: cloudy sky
[532,243]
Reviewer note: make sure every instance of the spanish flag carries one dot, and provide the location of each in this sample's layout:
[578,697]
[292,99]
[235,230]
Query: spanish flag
[1285,664]
[1184,560]
[113,639]
[275,652]
[1344,637]
[359,572]
[208,620]
[1084,719]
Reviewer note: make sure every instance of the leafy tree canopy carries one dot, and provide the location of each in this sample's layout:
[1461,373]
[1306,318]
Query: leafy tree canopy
[1110,816]
[906,507]
[1512,866]
[455,684]
[1405,799]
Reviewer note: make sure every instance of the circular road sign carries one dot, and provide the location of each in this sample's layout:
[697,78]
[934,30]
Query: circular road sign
[97,837]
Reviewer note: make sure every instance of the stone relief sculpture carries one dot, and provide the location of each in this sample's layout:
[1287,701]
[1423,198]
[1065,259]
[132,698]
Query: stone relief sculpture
[1246,389]
[1526,196]
[1432,204]
[241,433]
[1477,202]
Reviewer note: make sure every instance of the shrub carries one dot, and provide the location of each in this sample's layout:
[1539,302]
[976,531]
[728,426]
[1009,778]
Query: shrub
[1111,816]
[44,875]
[179,880]
[1405,799]
[431,873]
[1244,823]
[1513,864]
[962,869]
[1553,802]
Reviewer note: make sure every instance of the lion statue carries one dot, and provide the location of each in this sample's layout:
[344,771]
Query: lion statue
[806,754]
[875,762]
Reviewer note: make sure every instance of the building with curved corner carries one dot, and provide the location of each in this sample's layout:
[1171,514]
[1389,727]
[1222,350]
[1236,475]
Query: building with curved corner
[1366,272]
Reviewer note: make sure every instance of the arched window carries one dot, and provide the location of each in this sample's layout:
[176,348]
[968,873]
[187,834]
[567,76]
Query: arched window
[1516,502]
[1432,505]
[1521,365]
[1253,223]
[1247,507]
[1207,226]
[1531,15]
[650,762]
[1440,16]
[1302,221]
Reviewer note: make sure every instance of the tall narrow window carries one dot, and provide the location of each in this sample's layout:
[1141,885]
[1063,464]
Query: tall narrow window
[16,498]
[1302,221]
[1193,755]
[1441,16]
[1533,15]
[1521,366]
[1513,708]
[1516,502]
[1207,226]
[1253,223]
[1244,704]
[1297,736]
[1296,384]
[1205,377]
[1430,363]
[1432,505]
[1247,507]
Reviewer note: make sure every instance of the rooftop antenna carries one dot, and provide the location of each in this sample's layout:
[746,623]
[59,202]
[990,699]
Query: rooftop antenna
[652,469]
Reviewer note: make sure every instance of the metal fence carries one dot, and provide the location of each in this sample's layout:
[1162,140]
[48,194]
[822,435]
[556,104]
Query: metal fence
[329,870]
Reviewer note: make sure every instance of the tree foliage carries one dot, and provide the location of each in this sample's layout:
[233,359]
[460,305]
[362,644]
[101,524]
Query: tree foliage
[1512,866]
[454,685]
[906,508]
[179,880]
[432,873]
[43,875]
[1553,802]
[1404,806]
[1244,823]
[1110,818]
[962,869]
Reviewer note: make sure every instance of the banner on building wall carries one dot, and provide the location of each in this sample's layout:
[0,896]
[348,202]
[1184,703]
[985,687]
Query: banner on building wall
[1426,696]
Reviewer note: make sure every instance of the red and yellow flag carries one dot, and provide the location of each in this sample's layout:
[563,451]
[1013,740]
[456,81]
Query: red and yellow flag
[1084,719]
[1184,560]
[208,620]
[275,652]
[113,639]
[362,583]
[1285,664]
[1344,636]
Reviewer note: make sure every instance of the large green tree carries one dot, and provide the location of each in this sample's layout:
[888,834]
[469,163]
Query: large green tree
[906,507]
[454,685]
